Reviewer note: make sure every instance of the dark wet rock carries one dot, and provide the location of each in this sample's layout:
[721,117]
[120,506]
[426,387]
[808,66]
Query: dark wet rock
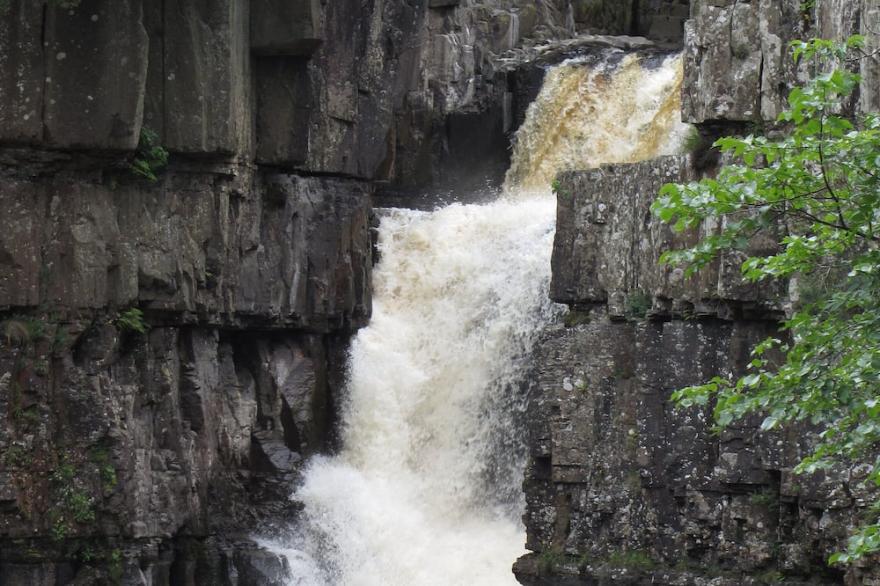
[95,68]
[73,78]
[135,452]
[621,487]
[146,457]
[608,245]
[179,431]
[273,456]
[204,102]
[620,483]
[279,27]
[378,91]
[219,248]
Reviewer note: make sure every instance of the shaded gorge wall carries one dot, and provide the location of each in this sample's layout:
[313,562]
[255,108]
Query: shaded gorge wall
[146,449]
[621,488]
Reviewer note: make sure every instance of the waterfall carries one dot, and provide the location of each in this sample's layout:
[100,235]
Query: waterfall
[620,110]
[426,488]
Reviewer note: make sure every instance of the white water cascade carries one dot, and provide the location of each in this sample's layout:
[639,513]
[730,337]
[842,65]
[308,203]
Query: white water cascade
[426,489]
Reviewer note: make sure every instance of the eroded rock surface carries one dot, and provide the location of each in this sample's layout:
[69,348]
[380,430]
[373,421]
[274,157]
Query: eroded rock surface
[622,488]
[217,248]
[608,245]
[148,457]
[124,452]
[739,65]
[147,448]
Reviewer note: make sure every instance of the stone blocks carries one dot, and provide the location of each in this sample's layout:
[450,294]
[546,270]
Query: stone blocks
[608,245]
[279,249]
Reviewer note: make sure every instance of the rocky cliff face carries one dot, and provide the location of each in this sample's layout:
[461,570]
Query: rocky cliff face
[622,488]
[127,446]
[148,450]
[467,91]
[739,64]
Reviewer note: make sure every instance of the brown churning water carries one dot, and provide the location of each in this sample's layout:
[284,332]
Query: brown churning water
[616,111]
[426,490]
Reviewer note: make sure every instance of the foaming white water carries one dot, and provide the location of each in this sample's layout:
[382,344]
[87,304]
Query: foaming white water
[618,111]
[423,492]
[426,490]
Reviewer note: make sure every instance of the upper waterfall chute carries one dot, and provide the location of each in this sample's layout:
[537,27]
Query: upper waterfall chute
[426,490]
[623,109]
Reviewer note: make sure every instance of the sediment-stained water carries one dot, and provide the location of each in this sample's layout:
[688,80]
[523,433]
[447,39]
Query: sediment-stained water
[425,490]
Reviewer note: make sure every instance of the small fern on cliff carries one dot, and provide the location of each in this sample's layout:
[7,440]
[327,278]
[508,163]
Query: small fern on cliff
[150,157]
[132,320]
[822,182]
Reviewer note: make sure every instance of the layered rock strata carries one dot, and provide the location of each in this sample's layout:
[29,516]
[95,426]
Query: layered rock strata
[147,448]
[621,487]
